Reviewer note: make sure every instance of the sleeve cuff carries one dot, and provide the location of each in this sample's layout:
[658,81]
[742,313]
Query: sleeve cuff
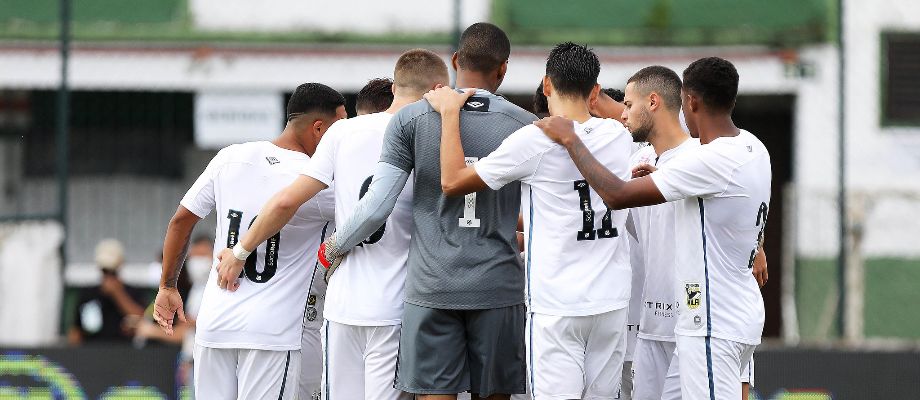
[666,190]
[490,181]
[195,210]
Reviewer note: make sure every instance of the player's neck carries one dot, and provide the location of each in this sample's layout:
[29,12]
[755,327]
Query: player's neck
[576,110]
[400,102]
[668,134]
[288,141]
[473,80]
[712,127]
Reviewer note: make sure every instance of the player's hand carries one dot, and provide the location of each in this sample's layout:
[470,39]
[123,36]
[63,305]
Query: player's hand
[328,256]
[446,100]
[560,129]
[760,268]
[643,170]
[228,270]
[167,304]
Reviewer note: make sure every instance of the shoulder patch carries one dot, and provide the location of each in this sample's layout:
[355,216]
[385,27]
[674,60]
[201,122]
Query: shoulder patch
[477,104]
[272,160]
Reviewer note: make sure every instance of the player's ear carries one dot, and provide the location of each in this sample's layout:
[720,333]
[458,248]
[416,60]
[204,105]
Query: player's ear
[693,103]
[654,101]
[454,63]
[318,126]
[547,86]
[592,97]
[502,70]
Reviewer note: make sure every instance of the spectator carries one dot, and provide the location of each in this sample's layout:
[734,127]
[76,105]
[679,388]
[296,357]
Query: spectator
[102,309]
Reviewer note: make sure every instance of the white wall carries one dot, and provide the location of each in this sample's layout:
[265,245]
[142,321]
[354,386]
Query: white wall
[882,163]
[353,16]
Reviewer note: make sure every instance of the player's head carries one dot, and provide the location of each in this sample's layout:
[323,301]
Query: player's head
[375,96]
[418,71]
[540,106]
[614,109]
[312,109]
[571,73]
[616,94]
[483,51]
[651,93]
[710,88]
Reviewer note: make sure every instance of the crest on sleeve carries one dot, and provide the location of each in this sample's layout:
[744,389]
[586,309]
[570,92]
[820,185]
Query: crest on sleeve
[693,295]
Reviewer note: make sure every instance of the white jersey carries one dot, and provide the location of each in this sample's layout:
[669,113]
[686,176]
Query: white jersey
[724,188]
[577,259]
[368,287]
[656,234]
[268,309]
[635,298]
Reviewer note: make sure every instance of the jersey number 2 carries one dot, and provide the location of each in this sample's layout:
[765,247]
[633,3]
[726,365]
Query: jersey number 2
[271,250]
[587,231]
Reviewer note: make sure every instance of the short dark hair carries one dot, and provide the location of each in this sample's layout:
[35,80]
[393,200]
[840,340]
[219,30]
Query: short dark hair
[540,104]
[314,97]
[375,96]
[573,69]
[483,47]
[418,70]
[661,80]
[615,94]
[714,80]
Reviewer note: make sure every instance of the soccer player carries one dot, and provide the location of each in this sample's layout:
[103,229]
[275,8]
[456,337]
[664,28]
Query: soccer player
[653,102]
[723,188]
[463,322]
[376,96]
[364,302]
[248,343]
[577,306]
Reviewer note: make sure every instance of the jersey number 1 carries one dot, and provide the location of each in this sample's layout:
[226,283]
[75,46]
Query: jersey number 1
[271,250]
[469,219]
[587,231]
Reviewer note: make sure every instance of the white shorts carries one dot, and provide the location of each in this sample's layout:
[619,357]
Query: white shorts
[576,357]
[710,367]
[747,373]
[360,362]
[229,374]
[625,392]
[657,372]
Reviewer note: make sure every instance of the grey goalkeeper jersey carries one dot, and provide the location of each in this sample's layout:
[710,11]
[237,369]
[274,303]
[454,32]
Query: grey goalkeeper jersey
[463,253]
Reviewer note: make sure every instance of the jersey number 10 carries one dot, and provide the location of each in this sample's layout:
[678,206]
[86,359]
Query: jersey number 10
[271,250]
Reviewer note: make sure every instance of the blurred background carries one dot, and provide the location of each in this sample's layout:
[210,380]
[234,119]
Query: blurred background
[104,144]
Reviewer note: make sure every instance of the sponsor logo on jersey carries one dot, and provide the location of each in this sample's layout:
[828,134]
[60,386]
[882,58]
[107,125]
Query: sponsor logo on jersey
[697,320]
[477,104]
[693,295]
[272,160]
[661,309]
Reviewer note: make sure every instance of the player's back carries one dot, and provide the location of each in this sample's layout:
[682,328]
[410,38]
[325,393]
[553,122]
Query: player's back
[267,309]
[722,223]
[577,251]
[367,289]
[463,253]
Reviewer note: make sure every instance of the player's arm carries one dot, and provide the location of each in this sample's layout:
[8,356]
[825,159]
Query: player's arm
[369,214]
[273,216]
[605,107]
[457,178]
[615,192]
[175,247]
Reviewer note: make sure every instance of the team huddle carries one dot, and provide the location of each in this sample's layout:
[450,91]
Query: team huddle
[469,246]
